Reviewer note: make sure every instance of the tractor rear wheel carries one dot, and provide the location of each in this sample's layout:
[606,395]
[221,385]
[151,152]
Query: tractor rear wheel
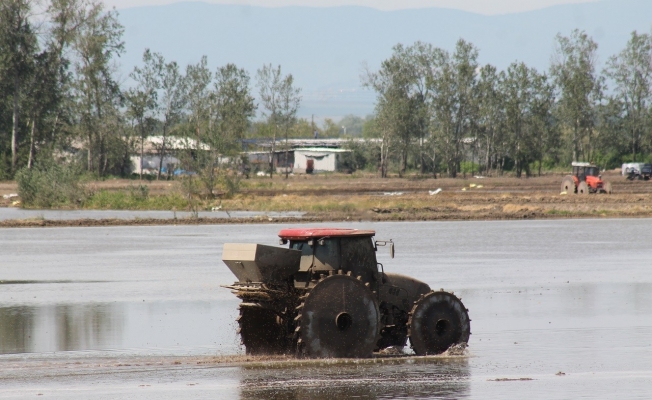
[607,188]
[338,319]
[568,185]
[582,188]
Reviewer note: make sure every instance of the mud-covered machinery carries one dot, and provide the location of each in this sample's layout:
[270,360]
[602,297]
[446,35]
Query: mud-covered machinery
[327,296]
[585,179]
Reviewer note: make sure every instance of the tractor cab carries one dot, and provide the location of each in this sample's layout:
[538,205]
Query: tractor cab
[327,250]
[582,170]
[588,173]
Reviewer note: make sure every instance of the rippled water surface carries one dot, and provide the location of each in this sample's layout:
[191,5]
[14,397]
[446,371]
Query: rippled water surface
[560,309]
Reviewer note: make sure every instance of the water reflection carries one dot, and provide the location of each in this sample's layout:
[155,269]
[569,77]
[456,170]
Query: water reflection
[16,327]
[194,327]
[391,379]
[86,326]
[59,328]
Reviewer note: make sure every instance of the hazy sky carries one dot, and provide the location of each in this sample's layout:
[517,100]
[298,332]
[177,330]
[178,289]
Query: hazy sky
[478,6]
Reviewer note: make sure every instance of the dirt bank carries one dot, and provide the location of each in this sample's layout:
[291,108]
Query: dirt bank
[327,198]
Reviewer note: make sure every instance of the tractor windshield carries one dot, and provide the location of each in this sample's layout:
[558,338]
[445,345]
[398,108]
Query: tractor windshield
[304,247]
[592,171]
[326,253]
[306,254]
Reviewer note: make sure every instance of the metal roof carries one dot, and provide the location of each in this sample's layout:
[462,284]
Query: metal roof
[307,143]
[152,143]
[320,150]
[308,233]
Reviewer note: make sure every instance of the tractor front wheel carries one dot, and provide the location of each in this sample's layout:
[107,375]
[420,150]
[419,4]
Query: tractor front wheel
[583,188]
[438,320]
[607,188]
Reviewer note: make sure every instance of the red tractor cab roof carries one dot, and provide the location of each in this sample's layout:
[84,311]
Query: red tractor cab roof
[312,233]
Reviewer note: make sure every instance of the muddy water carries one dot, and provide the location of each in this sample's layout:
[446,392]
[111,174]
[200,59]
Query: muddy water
[560,309]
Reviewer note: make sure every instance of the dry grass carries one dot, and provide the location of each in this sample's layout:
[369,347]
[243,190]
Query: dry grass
[365,197]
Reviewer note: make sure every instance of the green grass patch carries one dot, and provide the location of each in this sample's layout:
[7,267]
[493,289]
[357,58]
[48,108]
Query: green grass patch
[560,212]
[134,200]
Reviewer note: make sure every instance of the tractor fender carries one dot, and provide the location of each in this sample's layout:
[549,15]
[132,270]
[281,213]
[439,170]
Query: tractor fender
[402,291]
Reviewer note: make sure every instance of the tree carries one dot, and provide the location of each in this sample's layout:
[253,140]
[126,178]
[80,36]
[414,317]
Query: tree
[491,116]
[142,99]
[330,128]
[197,89]
[172,102]
[352,125]
[66,18]
[98,40]
[387,122]
[518,90]
[198,100]
[401,110]
[453,102]
[369,130]
[402,100]
[422,58]
[231,110]
[631,73]
[544,126]
[280,100]
[302,129]
[43,97]
[573,71]
[17,47]
[290,101]
[612,136]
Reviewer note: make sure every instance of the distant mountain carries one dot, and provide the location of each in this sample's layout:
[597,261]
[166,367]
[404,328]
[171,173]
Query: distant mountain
[325,48]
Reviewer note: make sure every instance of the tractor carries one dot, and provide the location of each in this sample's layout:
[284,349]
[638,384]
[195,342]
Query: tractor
[637,171]
[326,296]
[585,179]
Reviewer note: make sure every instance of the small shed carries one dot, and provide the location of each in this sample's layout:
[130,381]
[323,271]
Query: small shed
[260,160]
[318,159]
[152,150]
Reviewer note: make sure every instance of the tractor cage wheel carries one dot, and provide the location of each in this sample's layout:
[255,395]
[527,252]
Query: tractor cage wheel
[338,318]
[438,321]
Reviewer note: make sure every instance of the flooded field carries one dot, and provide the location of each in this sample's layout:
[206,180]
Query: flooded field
[561,309]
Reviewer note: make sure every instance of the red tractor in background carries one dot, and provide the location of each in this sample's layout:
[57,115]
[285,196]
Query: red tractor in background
[585,179]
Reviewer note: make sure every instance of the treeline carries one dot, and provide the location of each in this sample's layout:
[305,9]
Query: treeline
[62,92]
[64,102]
[443,112]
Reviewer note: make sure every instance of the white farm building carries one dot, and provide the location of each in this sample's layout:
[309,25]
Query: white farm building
[317,159]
